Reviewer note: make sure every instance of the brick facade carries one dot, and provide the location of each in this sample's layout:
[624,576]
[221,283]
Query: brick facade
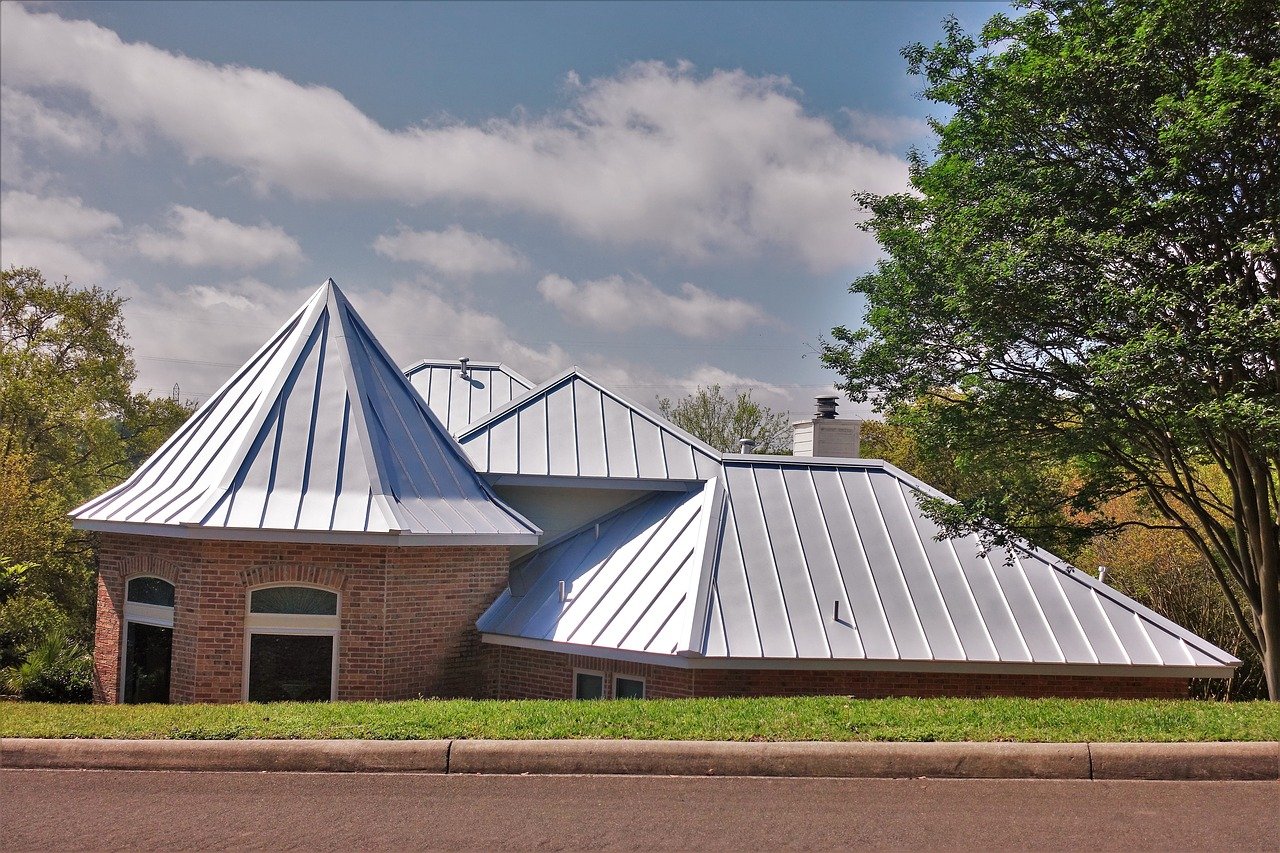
[529,673]
[407,615]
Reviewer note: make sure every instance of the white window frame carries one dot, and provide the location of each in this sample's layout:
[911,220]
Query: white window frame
[574,685]
[144,614]
[644,686]
[306,625]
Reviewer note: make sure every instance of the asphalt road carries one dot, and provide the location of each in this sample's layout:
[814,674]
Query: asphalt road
[65,810]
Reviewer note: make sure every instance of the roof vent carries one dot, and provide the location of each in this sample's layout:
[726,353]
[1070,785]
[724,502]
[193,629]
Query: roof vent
[466,374]
[746,445]
[826,407]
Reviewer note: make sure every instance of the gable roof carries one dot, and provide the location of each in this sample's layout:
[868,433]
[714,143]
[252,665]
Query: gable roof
[458,402]
[630,580]
[819,563]
[318,437]
[572,426]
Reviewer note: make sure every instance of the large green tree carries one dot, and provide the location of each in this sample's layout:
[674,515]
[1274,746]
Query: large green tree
[721,421]
[70,427]
[1087,273]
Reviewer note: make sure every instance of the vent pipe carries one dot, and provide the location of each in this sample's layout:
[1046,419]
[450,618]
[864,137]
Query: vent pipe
[746,445]
[466,374]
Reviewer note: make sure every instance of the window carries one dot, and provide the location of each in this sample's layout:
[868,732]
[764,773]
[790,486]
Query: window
[291,644]
[588,685]
[628,687]
[148,640]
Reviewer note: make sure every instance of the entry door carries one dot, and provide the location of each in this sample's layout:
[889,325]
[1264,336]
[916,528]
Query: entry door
[148,640]
[148,653]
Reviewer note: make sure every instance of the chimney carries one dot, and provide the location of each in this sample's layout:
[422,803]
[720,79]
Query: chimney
[825,434]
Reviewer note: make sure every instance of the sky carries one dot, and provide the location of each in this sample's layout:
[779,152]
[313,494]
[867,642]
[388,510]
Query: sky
[659,193]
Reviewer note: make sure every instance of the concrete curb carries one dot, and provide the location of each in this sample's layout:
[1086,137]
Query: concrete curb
[1173,761]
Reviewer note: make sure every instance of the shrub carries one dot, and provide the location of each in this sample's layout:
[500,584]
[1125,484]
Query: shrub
[57,670]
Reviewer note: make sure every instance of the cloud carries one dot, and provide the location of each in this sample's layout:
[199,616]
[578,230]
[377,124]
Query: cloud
[886,130]
[52,233]
[703,165]
[453,252]
[620,304]
[200,350]
[195,238]
[55,217]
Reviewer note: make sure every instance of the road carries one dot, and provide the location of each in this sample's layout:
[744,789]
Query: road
[65,810]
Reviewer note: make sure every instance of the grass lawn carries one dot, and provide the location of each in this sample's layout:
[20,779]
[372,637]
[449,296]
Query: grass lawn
[808,718]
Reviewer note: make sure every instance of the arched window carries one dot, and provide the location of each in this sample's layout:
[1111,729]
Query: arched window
[291,642]
[148,640]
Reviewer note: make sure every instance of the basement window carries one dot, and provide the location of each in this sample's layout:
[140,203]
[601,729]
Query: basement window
[628,687]
[588,685]
[291,643]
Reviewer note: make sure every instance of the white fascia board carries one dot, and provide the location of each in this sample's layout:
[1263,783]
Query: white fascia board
[576,482]
[322,537]
[686,661]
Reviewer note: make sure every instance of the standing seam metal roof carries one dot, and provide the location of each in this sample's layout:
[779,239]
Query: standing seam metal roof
[573,426]
[318,436]
[458,402]
[812,561]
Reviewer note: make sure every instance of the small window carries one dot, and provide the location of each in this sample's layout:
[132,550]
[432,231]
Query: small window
[303,600]
[588,685]
[628,688]
[148,590]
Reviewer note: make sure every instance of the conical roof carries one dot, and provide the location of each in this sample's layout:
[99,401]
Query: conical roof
[318,437]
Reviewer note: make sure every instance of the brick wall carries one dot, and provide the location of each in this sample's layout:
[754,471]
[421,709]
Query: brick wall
[407,615]
[528,673]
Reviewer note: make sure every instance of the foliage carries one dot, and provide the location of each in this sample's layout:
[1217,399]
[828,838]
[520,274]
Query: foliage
[59,669]
[1086,271]
[814,718]
[1160,568]
[721,421]
[70,428]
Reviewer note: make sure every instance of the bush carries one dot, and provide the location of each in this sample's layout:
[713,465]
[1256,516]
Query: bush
[25,622]
[57,670]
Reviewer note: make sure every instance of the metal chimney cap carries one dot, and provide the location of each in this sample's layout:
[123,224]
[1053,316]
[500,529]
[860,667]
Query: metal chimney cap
[826,406]
[746,445]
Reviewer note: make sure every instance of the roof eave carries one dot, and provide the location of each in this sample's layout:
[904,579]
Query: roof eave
[326,537]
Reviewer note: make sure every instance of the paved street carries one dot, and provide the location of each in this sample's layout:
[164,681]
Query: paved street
[101,809]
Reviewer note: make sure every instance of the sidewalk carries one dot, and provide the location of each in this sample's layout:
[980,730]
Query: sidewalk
[1171,761]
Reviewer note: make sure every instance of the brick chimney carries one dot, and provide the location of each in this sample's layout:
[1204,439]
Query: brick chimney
[825,434]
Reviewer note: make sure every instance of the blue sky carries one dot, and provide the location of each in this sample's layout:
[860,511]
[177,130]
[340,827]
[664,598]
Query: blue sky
[656,192]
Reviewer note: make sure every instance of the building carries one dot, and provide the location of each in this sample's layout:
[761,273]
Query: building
[325,526]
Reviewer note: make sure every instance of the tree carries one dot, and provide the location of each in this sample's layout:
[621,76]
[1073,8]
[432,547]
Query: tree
[721,421]
[70,428]
[1087,272]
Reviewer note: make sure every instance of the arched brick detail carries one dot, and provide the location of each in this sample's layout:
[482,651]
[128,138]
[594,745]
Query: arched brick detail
[145,563]
[274,574]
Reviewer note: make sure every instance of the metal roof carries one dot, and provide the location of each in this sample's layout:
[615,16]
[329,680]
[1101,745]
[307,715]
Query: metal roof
[832,563]
[629,582]
[572,426]
[318,437]
[458,402]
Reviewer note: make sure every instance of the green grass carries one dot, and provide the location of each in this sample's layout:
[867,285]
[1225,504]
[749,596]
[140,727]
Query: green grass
[809,718]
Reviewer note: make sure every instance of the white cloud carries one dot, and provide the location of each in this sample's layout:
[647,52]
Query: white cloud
[618,304]
[53,233]
[886,130]
[700,164]
[454,251]
[199,350]
[195,238]
[54,217]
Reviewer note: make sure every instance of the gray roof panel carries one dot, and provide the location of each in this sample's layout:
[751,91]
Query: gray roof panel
[791,538]
[318,435]
[571,426]
[458,402]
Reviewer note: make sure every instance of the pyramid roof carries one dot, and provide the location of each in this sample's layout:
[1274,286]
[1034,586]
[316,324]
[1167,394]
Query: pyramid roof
[318,437]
